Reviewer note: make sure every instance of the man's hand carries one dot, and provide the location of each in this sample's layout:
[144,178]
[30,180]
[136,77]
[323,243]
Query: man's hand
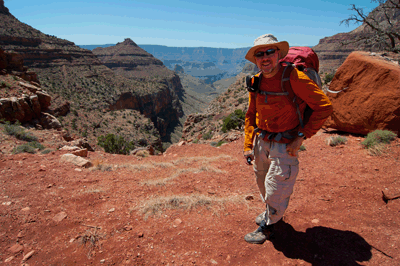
[249,156]
[294,146]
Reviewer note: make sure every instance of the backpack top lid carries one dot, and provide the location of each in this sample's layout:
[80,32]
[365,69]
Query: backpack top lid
[302,56]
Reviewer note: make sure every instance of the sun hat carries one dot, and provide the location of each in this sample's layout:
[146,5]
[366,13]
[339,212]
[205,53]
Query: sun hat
[267,40]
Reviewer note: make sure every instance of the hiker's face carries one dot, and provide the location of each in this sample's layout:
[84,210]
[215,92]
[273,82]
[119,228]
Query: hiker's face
[268,62]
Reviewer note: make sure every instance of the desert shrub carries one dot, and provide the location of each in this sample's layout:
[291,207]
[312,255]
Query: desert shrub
[221,142]
[233,121]
[17,131]
[328,77]
[207,135]
[29,147]
[115,144]
[4,84]
[143,142]
[302,148]
[241,100]
[335,141]
[378,137]
[46,151]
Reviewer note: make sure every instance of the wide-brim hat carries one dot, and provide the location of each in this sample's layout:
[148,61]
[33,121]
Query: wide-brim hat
[267,40]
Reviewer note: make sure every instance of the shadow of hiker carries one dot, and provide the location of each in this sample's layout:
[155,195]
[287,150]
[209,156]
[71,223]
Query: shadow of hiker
[321,245]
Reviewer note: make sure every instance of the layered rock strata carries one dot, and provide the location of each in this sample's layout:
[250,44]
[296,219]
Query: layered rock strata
[159,99]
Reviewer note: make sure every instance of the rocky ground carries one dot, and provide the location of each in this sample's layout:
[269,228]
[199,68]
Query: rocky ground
[192,205]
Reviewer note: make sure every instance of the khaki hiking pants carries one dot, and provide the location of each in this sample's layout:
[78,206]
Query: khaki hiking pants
[276,173]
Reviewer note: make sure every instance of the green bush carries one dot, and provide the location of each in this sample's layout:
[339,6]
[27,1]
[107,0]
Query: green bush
[221,142]
[335,141]
[115,144]
[378,137]
[241,100]
[233,121]
[207,136]
[302,148]
[328,77]
[17,131]
[29,147]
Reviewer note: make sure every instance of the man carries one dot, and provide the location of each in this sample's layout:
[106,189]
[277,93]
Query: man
[278,136]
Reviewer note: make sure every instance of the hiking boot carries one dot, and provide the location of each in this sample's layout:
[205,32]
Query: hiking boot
[263,233]
[260,218]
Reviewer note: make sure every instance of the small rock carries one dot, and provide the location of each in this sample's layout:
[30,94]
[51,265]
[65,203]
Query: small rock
[315,221]
[81,152]
[69,148]
[26,209]
[78,169]
[128,228]
[79,161]
[8,203]
[60,216]
[181,143]
[102,261]
[27,256]
[140,235]
[177,222]
[9,259]
[20,235]
[16,248]
[213,261]
[111,210]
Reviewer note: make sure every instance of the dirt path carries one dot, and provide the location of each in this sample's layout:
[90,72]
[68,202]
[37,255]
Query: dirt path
[194,204]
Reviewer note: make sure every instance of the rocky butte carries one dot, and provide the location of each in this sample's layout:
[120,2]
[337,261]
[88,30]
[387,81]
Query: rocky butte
[70,73]
[159,99]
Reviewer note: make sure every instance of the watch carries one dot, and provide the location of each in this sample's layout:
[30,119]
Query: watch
[301,135]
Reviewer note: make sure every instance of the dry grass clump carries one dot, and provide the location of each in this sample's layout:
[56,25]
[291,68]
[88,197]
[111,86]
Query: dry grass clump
[91,239]
[99,165]
[379,149]
[164,181]
[137,167]
[336,141]
[158,205]
[377,142]
[190,160]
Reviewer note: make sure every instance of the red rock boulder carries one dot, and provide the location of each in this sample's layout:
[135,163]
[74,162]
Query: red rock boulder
[369,96]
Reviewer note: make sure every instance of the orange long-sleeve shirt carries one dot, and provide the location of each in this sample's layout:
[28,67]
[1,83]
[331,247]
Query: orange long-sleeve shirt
[278,114]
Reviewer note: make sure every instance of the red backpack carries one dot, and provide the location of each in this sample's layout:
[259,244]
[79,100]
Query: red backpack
[305,60]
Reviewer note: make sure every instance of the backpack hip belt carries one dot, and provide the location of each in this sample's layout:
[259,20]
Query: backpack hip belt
[280,137]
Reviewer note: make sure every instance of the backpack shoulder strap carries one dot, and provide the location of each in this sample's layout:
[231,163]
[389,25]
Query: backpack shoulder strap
[285,82]
[287,87]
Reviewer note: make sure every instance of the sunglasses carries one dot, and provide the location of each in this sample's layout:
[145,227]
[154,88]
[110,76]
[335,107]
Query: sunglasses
[267,53]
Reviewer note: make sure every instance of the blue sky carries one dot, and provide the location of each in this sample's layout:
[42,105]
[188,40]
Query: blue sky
[204,23]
